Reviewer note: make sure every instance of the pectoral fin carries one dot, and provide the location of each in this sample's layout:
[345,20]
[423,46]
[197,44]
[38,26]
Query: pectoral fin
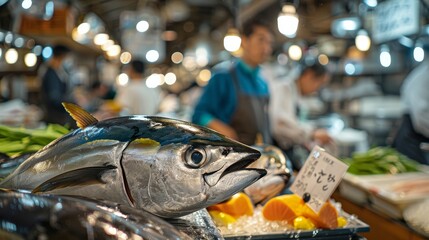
[83,176]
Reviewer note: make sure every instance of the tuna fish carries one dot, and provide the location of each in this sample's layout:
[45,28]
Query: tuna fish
[165,166]
[37,216]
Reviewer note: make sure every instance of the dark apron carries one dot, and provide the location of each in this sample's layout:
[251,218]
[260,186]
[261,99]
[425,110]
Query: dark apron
[407,141]
[251,115]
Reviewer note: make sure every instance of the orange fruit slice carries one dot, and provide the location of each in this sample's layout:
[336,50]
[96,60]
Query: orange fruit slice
[289,207]
[327,216]
[283,208]
[238,205]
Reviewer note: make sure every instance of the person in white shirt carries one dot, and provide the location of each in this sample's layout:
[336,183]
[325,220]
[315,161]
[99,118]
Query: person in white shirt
[414,130]
[285,102]
[136,98]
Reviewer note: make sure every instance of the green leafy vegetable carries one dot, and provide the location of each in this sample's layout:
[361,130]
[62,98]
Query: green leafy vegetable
[16,141]
[380,160]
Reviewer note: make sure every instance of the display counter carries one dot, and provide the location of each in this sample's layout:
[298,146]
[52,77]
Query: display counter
[382,226]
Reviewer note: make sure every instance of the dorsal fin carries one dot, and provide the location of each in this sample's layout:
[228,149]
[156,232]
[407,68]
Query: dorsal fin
[82,117]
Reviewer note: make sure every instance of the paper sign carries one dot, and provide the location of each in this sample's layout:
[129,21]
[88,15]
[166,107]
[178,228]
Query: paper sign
[319,177]
[395,18]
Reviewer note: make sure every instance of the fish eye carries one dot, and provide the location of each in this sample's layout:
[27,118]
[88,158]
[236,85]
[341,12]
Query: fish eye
[195,157]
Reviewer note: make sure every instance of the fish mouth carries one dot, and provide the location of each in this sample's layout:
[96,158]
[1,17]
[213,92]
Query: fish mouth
[242,165]
[232,174]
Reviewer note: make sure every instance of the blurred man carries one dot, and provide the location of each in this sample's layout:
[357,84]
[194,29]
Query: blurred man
[136,97]
[285,104]
[235,101]
[55,88]
[414,130]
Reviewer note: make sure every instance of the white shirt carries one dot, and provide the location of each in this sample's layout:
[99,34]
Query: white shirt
[137,99]
[286,127]
[415,94]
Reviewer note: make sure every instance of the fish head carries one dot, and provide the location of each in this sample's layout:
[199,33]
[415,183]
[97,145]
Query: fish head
[184,167]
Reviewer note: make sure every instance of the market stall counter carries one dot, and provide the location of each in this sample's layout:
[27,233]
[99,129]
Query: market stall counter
[388,191]
[382,226]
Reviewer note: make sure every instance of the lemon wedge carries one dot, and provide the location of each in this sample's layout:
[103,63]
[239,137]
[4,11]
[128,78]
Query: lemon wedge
[342,221]
[303,223]
[221,218]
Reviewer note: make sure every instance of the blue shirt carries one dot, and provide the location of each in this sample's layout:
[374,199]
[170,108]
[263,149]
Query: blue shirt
[219,99]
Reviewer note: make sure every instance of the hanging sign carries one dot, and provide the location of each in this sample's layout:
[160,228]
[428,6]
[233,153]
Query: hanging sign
[318,178]
[395,18]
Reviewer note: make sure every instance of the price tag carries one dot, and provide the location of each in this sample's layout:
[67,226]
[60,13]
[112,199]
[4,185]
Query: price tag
[319,177]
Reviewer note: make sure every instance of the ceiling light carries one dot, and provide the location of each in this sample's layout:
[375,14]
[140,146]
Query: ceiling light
[37,50]
[177,57]
[11,56]
[26,4]
[418,52]
[8,38]
[49,10]
[142,26]
[154,80]
[19,42]
[232,40]
[122,79]
[101,38]
[83,28]
[125,57]
[350,68]
[362,41]
[152,56]
[349,24]
[113,51]
[30,59]
[295,52]
[371,3]
[107,45]
[323,59]
[205,75]
[287,21]
[47,52]
[170,78]
[345,27]
[385,58]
